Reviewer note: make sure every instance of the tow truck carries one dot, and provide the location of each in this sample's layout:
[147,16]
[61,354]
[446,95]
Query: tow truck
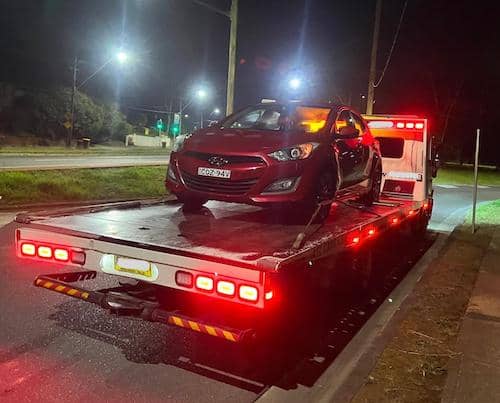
[194,270]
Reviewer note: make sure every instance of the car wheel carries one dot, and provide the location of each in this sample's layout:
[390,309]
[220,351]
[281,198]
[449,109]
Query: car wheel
[324,193]
[191,203]
[375,186]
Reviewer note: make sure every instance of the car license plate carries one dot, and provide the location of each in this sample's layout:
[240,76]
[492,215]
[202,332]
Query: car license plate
[214,172]
[134,267]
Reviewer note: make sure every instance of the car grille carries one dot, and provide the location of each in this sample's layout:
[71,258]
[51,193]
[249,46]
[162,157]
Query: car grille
[218,185]
[231,159]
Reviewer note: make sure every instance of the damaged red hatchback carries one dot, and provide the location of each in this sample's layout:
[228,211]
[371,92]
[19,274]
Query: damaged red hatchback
[271,153]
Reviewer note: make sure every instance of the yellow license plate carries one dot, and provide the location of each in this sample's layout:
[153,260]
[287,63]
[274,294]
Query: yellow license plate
[133,266]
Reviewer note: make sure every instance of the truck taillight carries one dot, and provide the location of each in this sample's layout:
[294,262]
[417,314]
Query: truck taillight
[28,249]
[184,279]
[61,254]
[56,253]
[226,287]
[204,283]
[44,252]
[248,293]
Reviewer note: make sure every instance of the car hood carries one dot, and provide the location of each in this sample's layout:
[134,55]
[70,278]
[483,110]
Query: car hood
[220,141]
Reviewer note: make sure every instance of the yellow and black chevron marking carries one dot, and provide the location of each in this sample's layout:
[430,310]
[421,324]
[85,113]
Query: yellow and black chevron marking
[201,328]
[54,286]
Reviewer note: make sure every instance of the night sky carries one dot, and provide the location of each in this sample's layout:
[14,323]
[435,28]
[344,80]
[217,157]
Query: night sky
[448,53]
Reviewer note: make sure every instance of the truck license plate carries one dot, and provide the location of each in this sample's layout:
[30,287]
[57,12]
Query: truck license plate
[135,267]
[214,172]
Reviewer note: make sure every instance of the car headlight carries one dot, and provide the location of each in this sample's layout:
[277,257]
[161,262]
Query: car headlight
[298,152]
[179,142]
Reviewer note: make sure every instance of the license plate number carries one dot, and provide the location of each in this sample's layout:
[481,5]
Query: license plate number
[214,172]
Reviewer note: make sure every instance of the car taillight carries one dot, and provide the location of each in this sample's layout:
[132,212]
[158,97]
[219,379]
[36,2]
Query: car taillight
[226,287]
[269,295]
[204,283]
[394,220]
[28,249]
[61,254]
[248,293]
[400,125]
[184,279]
[410,125]
[44,252]
[419,125]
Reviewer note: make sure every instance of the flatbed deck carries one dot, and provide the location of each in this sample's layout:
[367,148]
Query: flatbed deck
[244,236]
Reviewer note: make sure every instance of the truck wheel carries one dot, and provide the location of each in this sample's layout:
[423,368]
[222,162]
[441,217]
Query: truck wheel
[419,226]
[191,203]
[375,186]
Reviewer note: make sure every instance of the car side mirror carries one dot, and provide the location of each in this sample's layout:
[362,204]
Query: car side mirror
[348,132]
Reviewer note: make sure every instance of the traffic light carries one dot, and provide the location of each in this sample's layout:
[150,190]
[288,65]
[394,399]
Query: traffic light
[176,124]
[174,129]
[159,125]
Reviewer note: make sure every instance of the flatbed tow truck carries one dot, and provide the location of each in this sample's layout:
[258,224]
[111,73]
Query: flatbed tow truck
[221,270]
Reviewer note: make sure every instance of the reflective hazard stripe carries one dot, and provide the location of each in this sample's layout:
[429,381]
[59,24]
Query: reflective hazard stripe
[202,328]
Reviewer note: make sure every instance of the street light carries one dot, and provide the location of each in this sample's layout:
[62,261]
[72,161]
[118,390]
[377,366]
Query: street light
[122,58]
[216,111]
[201,94]
[294,83]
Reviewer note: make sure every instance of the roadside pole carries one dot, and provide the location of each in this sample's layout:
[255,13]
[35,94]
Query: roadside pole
[231,70]
[474,197]
[370,99]
[69,137]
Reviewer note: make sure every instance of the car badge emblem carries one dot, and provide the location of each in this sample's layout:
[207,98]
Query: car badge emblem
[218,161]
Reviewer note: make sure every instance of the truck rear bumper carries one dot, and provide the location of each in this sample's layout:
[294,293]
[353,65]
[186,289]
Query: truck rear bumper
[122,302]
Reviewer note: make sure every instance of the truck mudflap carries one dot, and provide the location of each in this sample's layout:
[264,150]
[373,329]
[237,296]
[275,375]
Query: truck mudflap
[127,301]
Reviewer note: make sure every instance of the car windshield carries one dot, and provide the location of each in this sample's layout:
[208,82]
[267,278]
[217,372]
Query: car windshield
[275,117]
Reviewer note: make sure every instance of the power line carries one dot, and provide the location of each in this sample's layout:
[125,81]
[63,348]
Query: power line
[393,46]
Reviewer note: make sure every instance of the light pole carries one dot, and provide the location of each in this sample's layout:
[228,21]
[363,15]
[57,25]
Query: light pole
[231,69]
[200,94]
[121,56]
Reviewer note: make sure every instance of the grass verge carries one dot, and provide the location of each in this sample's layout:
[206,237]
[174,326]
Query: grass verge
[465,176]
[94,150]
[27,187]
[413,365]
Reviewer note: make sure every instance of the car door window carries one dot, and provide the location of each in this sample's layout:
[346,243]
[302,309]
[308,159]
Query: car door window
[344,119]
[358,123]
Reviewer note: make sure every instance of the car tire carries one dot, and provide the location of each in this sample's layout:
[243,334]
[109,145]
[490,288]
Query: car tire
[191,203]
[325,189]
[375,185]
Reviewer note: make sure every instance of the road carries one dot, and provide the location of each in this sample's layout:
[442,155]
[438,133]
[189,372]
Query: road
[37,162]
[53,348]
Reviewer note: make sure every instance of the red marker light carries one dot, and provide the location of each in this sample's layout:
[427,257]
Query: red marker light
[28,249]
[269,295]
[371,232]
[400,125]
[419,125]
[410,125]
[395,220]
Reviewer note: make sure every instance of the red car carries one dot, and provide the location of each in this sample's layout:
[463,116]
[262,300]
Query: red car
[270,154]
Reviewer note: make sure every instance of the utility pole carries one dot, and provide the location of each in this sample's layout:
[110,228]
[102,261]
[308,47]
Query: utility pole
[370,99]
[69,137]
[231,71]
[180,116]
